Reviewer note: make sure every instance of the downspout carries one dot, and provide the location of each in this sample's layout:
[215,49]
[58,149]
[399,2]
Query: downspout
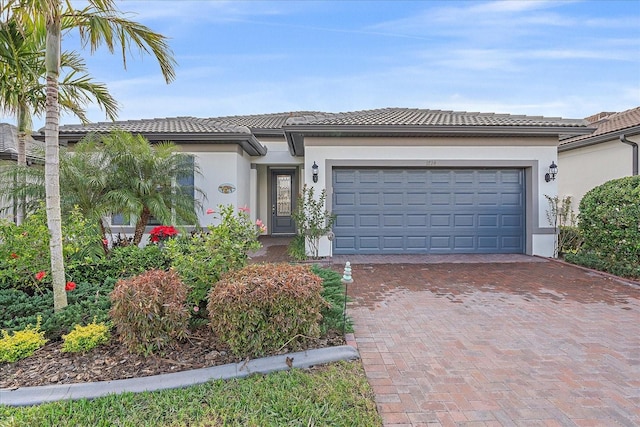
[634,146]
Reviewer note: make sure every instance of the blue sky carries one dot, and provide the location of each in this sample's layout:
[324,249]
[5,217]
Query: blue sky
[552,58]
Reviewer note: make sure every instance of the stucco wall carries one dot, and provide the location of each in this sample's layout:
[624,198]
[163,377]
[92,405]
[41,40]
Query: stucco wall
[534,155]
[218,168]
[582,169]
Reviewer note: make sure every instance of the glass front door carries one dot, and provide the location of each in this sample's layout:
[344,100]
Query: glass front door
[283,194]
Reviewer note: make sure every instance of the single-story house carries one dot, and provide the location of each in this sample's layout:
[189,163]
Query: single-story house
[399,180]
[610,152]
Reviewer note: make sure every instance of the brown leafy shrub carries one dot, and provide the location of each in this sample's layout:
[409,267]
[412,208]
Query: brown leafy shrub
[261,308]
[149,310]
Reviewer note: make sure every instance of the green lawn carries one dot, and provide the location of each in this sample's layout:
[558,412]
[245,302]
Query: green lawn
[334,395]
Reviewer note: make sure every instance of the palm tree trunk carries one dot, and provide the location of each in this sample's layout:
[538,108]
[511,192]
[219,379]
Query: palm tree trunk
[141,224]
[22,160]
[52,161]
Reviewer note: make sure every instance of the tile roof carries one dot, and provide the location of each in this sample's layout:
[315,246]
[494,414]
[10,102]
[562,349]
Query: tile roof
[265,121]
[423,117]
[9,139]
[162,125]
[277,121]
[608,123]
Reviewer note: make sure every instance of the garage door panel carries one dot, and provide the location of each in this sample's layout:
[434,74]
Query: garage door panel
[463,220]
[428,211]
[488,220]
[441,199]
[511,177]
[416,242]
[463,177]
[368,199]
[463,199]
[344,199]
[344,176]
[442,220]
[487,177]
[394,221]
[463,243]
[511,221]
[417,177]
[345,220]
[416,220]
[392,199]
[344,242]
[440,242]
[369,177]
[393,177]
[511,199]
[393,243]
[488,242]
[415,198]
[369,242]
[440,177]
[369,220]
[512,242]
[488,199]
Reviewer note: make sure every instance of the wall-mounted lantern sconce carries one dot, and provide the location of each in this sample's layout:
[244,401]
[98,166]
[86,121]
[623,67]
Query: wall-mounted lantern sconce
[314,170]
[553,171]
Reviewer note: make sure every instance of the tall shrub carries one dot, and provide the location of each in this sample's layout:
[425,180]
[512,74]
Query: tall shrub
[609,220]
[560,216]
[312,219]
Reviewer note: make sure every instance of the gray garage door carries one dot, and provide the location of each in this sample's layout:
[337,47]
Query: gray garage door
[390,211]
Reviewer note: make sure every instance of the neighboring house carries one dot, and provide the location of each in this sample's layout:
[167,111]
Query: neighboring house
[9,154]
[399,180]
[611,151]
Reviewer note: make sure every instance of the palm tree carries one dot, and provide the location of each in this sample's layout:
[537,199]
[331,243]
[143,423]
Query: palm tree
[146,181]
[86,176]
[22,91]
[99,22]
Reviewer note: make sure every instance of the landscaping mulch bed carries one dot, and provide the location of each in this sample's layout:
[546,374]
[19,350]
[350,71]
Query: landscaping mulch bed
[49,365]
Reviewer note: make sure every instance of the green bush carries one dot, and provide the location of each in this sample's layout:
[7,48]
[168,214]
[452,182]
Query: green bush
[569,239]
[24,249]
[264,307]
[21,344]
[202,258]
[85,338]
[121,262]
[609,221]
[333,291]
[149,310]
[86,301]
[296,248]
[595,261]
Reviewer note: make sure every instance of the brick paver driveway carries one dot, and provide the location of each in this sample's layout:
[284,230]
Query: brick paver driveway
[531,342]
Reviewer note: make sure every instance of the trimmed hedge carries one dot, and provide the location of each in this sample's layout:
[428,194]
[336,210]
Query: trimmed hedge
[609,222]
[264,307]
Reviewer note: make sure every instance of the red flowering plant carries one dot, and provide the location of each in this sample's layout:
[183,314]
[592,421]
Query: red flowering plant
[162,233]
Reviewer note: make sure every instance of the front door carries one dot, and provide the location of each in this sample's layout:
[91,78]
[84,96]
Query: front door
[283,191]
